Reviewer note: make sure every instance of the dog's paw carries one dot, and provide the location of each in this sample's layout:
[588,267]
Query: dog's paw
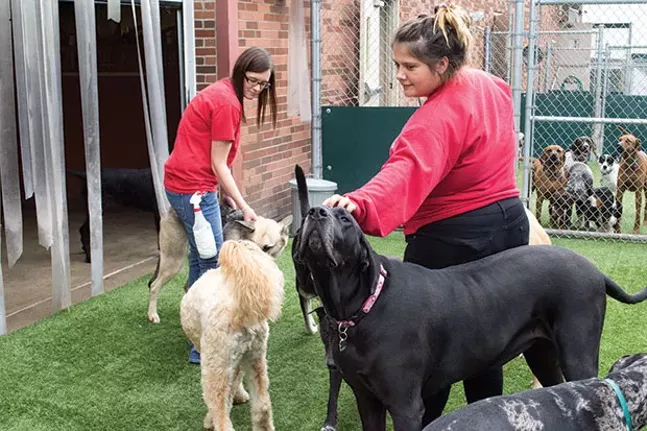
[154,317]
[241,396]
[328,428]
[208,422]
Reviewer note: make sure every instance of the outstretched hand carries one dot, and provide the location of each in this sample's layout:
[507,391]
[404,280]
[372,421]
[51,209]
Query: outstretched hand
[341,202]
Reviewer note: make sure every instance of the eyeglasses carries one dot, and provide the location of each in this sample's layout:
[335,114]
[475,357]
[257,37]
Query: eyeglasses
[254,82]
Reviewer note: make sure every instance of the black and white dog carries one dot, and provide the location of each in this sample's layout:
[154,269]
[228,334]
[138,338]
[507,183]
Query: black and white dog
[405,332]
[609,167]
[579,186]
[591,405]
[604,209]
[578,151]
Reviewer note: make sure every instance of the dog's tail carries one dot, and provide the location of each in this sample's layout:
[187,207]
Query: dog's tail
[256,282]
[76,173]
[302,188]
[616,292]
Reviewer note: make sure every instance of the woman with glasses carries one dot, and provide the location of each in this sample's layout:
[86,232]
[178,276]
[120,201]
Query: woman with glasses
[208,139]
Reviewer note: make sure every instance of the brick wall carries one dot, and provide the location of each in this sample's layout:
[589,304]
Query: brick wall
[205,42]
[269,155]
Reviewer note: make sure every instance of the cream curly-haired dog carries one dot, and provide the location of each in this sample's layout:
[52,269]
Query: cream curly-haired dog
[270,235]
[225,314]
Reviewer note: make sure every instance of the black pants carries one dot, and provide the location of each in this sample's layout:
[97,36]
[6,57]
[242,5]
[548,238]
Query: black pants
[464,238]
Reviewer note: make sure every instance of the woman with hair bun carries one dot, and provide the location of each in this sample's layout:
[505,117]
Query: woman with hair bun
[450,176]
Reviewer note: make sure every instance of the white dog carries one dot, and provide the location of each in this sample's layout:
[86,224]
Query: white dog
[225,314]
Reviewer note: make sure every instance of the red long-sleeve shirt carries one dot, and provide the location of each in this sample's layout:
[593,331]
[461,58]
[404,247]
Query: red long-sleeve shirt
[455,154]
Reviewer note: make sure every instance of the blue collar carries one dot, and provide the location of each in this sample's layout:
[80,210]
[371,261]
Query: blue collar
[622,401]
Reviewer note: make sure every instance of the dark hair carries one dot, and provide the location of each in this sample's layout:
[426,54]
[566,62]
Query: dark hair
[256,60]
[429,38]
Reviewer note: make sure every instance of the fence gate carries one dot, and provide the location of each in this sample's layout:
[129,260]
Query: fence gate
[586,83]
[361,103]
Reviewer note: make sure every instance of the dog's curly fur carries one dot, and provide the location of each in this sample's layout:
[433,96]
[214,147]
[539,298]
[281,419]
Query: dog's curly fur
[268,234]
[225,314]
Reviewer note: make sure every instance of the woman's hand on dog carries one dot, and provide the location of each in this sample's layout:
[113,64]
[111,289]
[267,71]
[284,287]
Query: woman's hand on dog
[248,213]
[342,202]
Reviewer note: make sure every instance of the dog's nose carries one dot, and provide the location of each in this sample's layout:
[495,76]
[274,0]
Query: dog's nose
[318,212]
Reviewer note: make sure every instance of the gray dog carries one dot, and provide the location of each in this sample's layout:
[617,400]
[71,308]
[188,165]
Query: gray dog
[404,331]
[590,405]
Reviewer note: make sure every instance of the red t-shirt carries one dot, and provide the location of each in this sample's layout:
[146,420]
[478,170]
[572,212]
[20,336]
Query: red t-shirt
[214,114]
[455,154]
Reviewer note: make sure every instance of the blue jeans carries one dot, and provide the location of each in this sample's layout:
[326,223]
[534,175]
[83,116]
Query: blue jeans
[211,210]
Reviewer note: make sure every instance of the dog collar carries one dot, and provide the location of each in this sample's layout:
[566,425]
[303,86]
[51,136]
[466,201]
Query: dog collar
[622,401]
[343,325]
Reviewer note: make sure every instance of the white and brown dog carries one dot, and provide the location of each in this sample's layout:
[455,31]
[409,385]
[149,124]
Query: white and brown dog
[225,314]
[270,235]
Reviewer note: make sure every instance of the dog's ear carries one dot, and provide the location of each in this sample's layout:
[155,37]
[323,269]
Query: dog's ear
[249,225]
[365,253]
[296,256]
[623,130]
[285,223]
[625,361]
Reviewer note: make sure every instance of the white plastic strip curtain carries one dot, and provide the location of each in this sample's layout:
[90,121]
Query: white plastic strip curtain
[54,155]
[31,45]
[87,49]
[9,176]
[188,28]
[155,118]
[21,90]
[7,116]
[298,76]
[3,312]
[114,10]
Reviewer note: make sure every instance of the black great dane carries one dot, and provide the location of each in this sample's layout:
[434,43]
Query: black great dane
[404,332]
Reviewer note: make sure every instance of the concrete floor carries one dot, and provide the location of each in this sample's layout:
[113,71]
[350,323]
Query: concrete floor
[130,251]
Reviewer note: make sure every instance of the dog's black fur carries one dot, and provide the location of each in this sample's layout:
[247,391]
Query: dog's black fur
[328,334]
[431,328]
[132,188]
[590,405]
[604,210]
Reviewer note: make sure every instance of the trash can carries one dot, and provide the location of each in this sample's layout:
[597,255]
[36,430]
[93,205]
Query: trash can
[318,191]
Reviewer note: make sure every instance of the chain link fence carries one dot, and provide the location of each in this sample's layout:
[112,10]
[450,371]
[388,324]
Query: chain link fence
[583,86]
[587,173]
[356,59]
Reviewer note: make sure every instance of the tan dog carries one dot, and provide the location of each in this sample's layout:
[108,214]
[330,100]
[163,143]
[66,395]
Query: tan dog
[538,236]
[549,175]
[268,234]
[632,176]
[225,314]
